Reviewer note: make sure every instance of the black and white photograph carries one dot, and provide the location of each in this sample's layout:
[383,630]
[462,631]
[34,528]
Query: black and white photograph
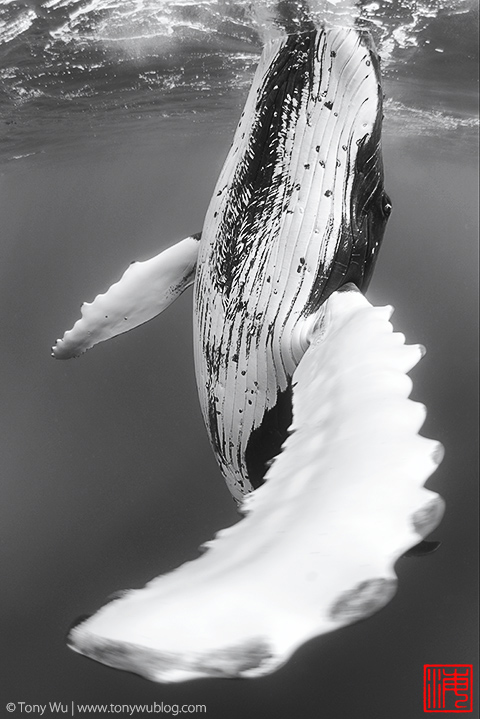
[239,358]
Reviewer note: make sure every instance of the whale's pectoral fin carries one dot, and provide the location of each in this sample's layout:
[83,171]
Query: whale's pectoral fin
[144,290]
[319,540]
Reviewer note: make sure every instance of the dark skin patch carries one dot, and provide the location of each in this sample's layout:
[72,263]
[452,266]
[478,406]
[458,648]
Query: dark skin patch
[266,441]
[365,215]
[256,187]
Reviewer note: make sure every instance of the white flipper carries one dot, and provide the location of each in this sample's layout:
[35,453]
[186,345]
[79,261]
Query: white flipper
[145,289]
[317,547]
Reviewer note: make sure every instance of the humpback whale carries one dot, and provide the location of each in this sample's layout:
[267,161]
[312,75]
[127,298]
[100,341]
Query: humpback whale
[302,382]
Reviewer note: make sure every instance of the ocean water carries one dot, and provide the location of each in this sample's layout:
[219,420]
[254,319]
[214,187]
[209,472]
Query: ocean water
[115,118]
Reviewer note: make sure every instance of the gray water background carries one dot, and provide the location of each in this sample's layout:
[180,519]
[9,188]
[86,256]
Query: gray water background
[106,473]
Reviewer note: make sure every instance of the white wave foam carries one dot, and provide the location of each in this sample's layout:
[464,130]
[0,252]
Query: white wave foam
[10,28]
[403,119]
[397,23]
[401,28]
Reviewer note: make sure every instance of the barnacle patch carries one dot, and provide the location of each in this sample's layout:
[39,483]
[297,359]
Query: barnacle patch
[428,517]
[169,666]
[363,600]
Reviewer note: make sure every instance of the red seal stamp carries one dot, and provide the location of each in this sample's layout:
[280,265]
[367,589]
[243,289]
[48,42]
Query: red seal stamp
[447,687]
